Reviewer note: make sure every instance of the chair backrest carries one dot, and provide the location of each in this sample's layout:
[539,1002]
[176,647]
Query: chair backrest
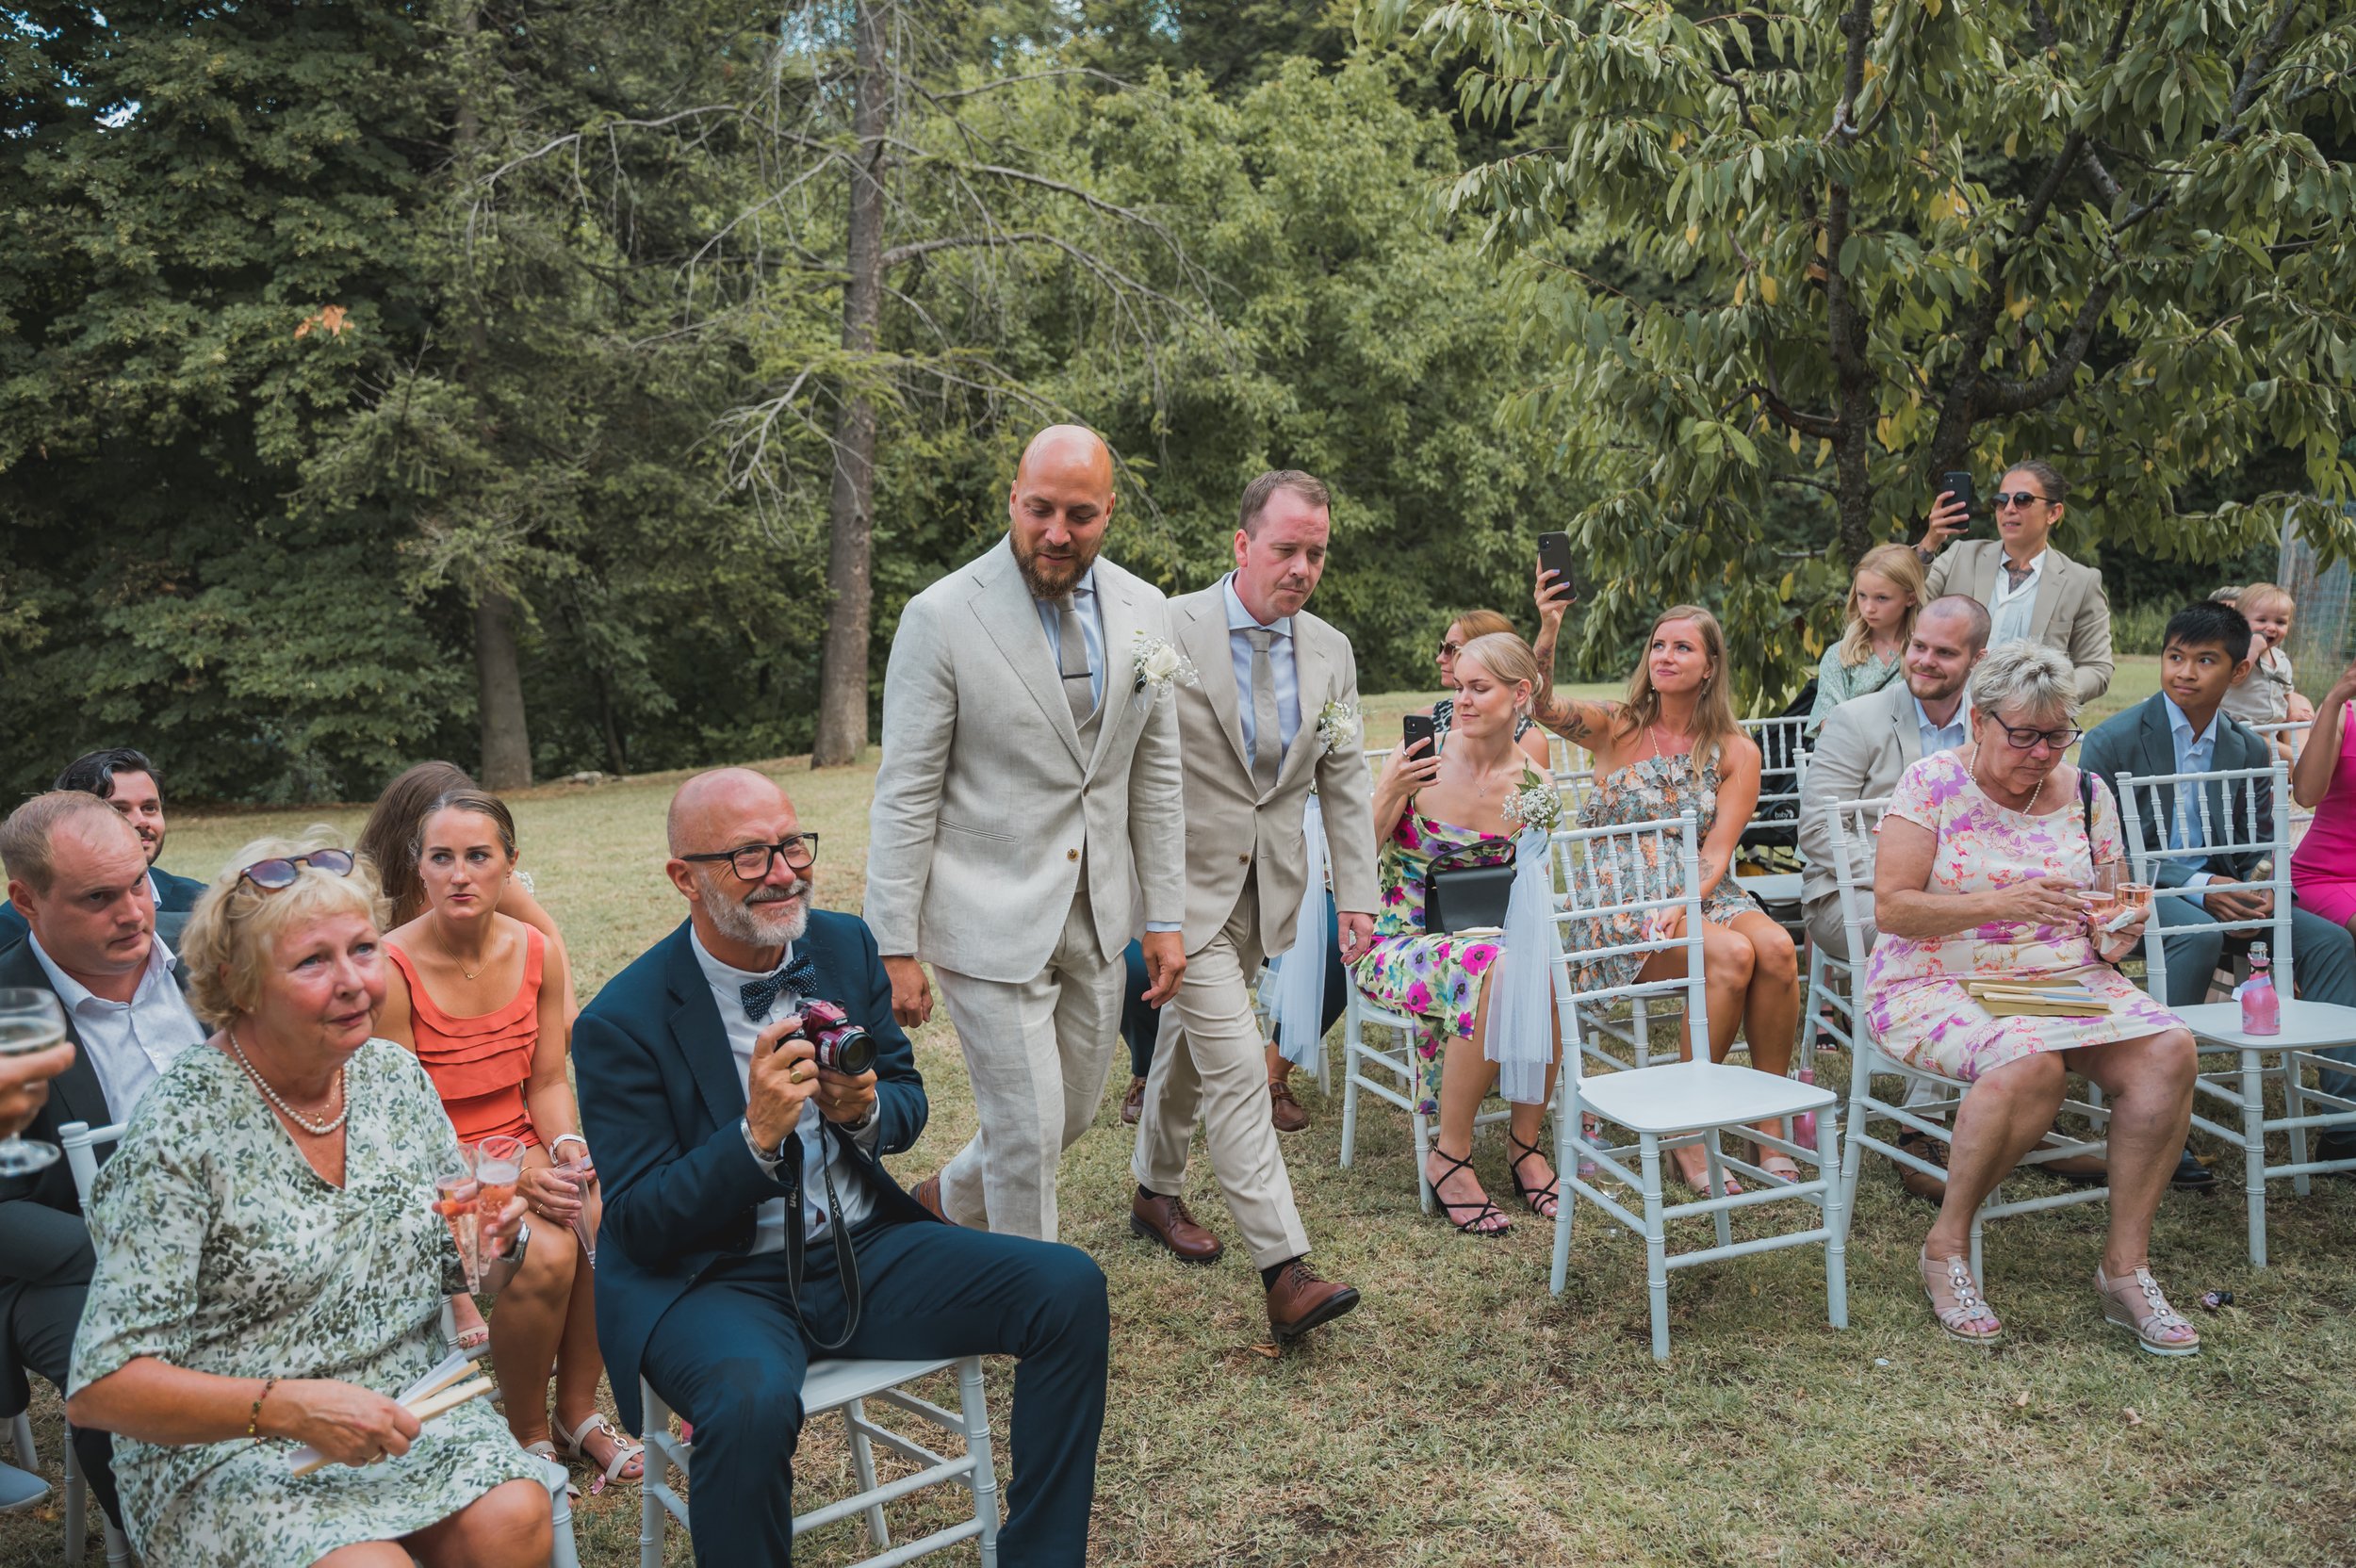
[1782,771]
[1852,822]
[79,1140]
[2288,729]
[1597,892]
[1565,757]
[2144,803]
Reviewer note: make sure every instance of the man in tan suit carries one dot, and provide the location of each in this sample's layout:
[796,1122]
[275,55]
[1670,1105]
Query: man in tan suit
[2031,590]
[1268,672]
[1027,808]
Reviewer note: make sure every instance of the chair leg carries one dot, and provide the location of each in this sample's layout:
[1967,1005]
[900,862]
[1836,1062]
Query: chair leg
[77,1507]
[1423,1160]
[1721,1220]
[975,1410]
[1836,1219]
[1852,1154]
[1567,1125]
[655,1478]
[562,1553]
[1979,1270]
[1814,1009]
[2253,1154]
[2294,1107]
[1351,1043]
[1656,1244]
[20,1433]
[863,1463]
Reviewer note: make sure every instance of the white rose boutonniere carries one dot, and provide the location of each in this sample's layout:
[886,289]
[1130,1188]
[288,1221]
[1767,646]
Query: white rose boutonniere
[1535,802]
[1338,724]
[1160,665]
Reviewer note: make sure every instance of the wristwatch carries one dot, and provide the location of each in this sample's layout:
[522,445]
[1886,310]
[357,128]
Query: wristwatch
[768,1157]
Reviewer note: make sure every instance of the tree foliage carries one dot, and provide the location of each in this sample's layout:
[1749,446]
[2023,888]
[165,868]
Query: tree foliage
[1792,262]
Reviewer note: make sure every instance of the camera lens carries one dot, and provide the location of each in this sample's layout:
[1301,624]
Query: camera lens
[846,1049]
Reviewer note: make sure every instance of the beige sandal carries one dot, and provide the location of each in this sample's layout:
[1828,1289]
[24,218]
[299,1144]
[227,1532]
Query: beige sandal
[2137,1305]
[1963,1313]
[626,1453]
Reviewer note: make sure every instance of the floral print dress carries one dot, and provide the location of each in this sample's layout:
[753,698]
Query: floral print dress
[1917,1008]
[1436,980]
[220,1249]
[1624,871]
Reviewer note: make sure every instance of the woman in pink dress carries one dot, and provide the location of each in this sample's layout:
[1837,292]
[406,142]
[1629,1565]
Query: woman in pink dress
[1983,857]
[2323,867]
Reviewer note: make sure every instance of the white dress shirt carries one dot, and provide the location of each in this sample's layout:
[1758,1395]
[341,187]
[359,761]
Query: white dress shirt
[128,1043]
[2194,753]
[1091,629]
[2012,610]
[850,1182]
[1281,664]
[1939,737]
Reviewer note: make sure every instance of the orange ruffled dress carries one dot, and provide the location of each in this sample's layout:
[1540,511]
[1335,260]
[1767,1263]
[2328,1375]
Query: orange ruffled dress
[480,1065]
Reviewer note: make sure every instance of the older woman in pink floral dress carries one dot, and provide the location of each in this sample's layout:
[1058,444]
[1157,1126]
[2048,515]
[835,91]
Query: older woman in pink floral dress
[1984,854]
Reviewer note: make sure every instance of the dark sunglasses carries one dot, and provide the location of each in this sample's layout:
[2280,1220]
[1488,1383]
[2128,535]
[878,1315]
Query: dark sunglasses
[751,862]
[279,872]
[2060,739]
[2018,498]
[1450,651]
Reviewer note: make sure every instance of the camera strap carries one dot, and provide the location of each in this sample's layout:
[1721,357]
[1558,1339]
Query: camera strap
[846,1261]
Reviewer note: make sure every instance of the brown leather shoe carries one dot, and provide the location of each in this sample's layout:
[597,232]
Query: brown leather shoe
[1285,1110]
[1929,1189]
[1133,1104]
[1166,1221]
[1300,1300]
[927,1192]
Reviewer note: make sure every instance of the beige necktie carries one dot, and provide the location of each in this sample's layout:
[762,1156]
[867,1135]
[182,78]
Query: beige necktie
[1267,739]
[1072,651]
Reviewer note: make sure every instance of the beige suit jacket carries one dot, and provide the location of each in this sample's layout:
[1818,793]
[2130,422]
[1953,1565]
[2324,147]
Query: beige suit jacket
[1866,744]
[987,807]
[2073,612]
[1230,827]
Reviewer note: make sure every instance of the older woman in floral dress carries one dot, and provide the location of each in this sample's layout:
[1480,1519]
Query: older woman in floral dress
[270,1271]
[1984,854]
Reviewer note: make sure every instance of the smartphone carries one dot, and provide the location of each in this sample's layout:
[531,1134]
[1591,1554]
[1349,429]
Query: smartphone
[1959,484]
[1554,555]
[1418,727]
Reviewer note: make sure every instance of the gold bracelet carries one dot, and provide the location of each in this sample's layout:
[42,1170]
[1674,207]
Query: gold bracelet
[253,1420]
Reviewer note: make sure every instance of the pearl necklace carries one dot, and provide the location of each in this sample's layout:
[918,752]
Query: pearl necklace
[317,1129]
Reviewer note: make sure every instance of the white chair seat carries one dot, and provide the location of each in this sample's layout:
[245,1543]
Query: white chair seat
[2306,1025]
[828,1383]
[1678,1095]
[1780,887]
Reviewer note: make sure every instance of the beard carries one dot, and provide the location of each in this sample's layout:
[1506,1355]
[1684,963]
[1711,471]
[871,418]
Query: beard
[1053,579]
[766,917]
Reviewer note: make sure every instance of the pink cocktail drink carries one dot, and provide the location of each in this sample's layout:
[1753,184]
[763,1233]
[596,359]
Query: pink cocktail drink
[456,1200]
[499,1163]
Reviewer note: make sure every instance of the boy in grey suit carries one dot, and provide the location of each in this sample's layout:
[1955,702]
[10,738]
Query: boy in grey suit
[1027,808]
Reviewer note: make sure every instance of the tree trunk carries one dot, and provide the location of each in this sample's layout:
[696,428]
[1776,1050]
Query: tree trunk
[499,695]
[850,509]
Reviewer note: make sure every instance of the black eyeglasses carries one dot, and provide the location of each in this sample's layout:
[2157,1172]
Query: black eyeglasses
[751,861]
[2023,738]
[2018,498]
[278,872]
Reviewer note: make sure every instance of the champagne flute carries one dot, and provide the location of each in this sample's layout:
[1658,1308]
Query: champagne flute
[457,1196]
[584,1221]
[499,1163]
[30,1020]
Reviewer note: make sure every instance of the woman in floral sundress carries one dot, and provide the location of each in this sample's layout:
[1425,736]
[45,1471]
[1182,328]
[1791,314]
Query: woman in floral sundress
[1982,857]
[1424,806]
[270,1271]
[1673,745]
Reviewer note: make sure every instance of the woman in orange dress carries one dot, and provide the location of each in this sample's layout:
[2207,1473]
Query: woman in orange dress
[484,1000]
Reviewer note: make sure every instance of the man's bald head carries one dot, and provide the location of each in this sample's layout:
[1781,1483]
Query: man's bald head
[719,796]
[1970,618]
[1060,504]
[741,922]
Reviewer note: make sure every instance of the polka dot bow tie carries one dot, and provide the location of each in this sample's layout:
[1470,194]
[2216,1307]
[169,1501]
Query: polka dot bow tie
[799,975]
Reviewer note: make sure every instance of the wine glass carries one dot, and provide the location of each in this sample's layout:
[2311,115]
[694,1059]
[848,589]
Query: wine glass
[499,1163]
[457,1196]
[584,1219]
[30,1020]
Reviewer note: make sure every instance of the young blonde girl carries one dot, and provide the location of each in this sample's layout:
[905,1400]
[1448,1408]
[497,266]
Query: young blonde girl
[2267,693]
[1885,593]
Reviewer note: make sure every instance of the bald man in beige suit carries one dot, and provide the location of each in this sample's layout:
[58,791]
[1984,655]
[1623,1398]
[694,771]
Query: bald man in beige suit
[1266,670]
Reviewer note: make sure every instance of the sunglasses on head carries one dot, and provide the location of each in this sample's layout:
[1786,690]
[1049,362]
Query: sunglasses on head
[279,872]
[2017,497]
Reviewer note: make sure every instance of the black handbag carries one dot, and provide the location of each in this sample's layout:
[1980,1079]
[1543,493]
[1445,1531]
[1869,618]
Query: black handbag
[1459,896]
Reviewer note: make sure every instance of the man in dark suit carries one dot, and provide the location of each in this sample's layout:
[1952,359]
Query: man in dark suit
[127,780]
[2183,729]
[78,875]
[749,1227]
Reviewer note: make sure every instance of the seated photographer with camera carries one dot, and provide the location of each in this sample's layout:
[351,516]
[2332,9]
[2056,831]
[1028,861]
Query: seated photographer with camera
[749,1227]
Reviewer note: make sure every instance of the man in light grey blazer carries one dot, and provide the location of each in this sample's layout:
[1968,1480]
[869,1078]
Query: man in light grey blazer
[2031,590]
[1028,815]
[1869,740]
[1273,713]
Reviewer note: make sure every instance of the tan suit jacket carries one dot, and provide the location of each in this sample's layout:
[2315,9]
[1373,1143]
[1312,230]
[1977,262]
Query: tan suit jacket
[987,807]
[2073,612]
[1866,744]
[1229,827]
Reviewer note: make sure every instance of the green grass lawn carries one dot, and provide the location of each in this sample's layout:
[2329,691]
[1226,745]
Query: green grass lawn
[1463,1415]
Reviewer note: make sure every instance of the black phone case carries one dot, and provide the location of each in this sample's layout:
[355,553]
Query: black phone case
[1960,484]
[1554,555]
[1418,727]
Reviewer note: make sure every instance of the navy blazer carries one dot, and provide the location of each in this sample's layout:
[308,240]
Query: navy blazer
[663,1108]
[175,895]
[2141,741]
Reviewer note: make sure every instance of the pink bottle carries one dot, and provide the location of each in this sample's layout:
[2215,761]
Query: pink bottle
[1804,1125]
[2261,1005]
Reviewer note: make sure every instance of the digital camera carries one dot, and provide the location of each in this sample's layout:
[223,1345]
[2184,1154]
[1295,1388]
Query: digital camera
[842,1046]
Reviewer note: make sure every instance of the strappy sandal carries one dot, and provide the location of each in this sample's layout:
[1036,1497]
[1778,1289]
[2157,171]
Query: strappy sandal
[547,1450]
[1964,1315]
[2137,1305]
[1701,1188]
[474,1338]
[1551,1195]
[626,1452]
[1481,1212]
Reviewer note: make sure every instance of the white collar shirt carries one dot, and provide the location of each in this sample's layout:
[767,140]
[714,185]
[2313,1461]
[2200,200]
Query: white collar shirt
[850,1182]
[2013,610]
[1282,665]
[2194,753]
[129,1043]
